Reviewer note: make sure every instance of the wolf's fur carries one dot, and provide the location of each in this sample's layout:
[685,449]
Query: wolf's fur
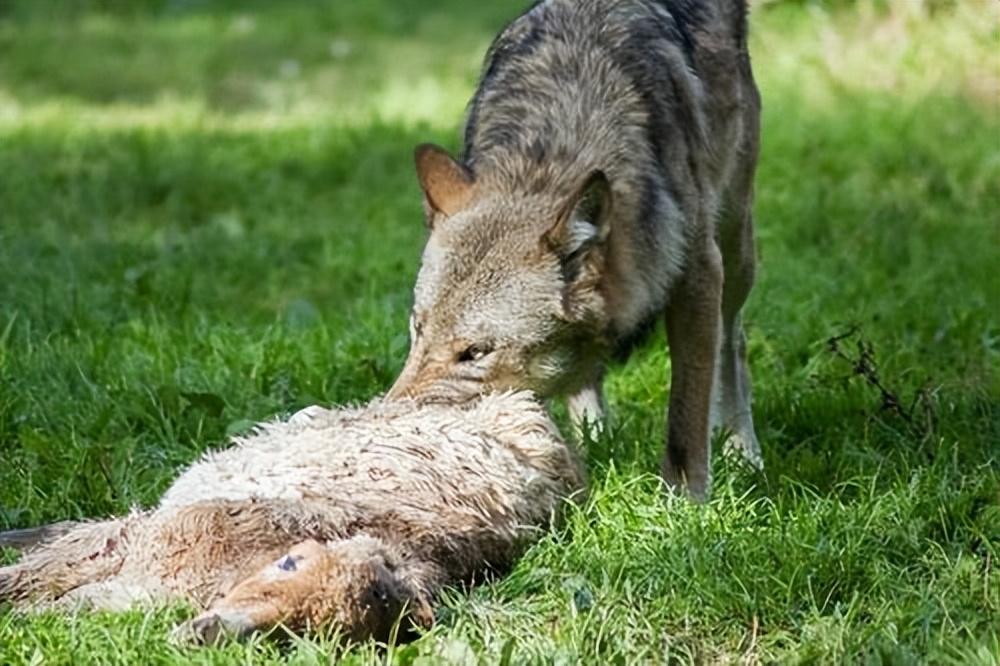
[605,181]
[404,500]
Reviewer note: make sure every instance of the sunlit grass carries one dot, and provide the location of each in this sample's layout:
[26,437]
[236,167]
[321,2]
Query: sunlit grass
[259,68]
[218,199]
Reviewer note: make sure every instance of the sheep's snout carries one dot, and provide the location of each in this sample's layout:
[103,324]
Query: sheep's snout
[350,584]
[212,628]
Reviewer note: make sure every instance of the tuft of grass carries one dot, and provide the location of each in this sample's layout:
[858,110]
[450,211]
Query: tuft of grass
[192,243]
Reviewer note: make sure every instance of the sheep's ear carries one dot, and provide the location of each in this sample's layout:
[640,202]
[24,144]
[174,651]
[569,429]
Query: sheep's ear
[448,185]
[582,228]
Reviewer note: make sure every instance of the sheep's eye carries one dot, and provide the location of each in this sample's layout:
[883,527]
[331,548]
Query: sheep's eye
[474,353]
[287,563]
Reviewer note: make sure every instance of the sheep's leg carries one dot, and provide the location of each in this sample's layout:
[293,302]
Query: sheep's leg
[114,594]
[87,553]
[31,537]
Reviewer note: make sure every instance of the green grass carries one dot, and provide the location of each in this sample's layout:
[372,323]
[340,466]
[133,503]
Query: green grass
[208,216]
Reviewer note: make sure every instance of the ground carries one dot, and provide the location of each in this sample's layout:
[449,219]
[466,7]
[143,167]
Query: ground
[208,216]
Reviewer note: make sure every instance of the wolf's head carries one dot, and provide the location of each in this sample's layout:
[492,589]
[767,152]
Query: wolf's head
[509,291]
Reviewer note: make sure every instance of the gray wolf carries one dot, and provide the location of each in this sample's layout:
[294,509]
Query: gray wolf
[605,181]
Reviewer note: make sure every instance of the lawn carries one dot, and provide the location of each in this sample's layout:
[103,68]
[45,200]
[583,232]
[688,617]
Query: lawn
[208,216]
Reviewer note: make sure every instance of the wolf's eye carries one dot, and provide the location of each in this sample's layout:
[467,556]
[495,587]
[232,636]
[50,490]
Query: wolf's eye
[287,563]
[474,353]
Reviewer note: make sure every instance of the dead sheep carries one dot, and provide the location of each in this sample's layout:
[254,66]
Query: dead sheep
[353,517]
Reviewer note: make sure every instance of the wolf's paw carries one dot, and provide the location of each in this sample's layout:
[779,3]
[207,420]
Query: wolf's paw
[745,445]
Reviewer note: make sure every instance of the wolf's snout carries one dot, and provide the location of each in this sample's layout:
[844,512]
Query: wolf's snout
[400,390]
[409,382]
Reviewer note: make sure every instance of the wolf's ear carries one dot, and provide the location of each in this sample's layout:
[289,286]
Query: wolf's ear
[583,225]
[447,185]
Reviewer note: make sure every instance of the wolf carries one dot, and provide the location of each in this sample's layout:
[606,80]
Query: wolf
[605,181]
[350,518]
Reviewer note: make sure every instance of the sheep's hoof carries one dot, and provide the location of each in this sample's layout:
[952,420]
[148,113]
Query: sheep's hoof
[213,628]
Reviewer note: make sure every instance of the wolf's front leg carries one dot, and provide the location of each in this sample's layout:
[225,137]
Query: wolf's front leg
[693,323]
[586,410]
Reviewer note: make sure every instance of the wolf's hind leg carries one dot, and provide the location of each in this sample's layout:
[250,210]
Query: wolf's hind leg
[731,408]
[732,404]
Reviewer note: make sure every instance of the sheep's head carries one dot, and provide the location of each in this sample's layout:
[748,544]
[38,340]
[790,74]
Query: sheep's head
[348,585]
